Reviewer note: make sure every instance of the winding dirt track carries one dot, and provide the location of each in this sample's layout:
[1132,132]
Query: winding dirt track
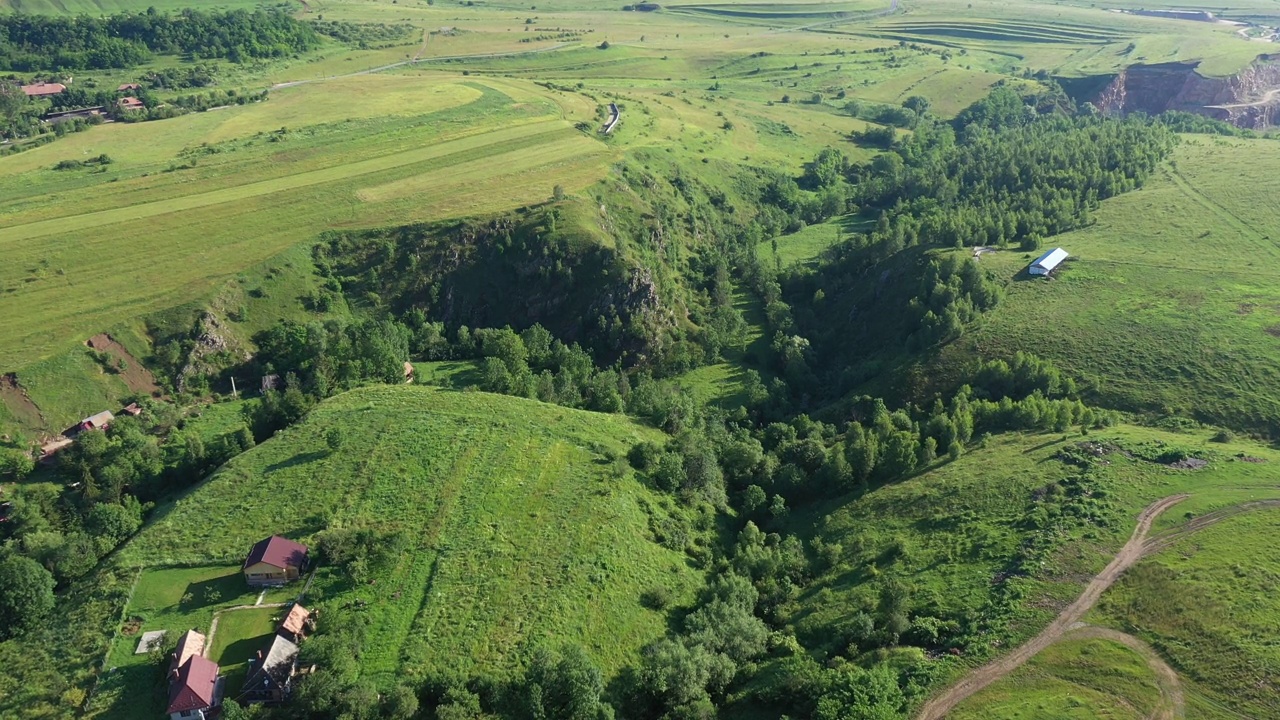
[938,707]
[1172,702]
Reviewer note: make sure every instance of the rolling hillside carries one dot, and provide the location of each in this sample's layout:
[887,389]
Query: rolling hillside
[521,527]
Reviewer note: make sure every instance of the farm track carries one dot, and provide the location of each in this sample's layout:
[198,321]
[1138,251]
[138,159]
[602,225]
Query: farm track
[1211,205]
[939,706]
[418,59]
[1138,547]
[1172,700]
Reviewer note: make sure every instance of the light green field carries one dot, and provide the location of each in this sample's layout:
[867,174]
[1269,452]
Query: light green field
[1169,303]
[1071,679]
[142,237]
[949,531]
[523,528]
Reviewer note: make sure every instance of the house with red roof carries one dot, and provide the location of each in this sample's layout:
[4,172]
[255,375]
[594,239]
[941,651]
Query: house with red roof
[195,690]
[274,561]
[131,103]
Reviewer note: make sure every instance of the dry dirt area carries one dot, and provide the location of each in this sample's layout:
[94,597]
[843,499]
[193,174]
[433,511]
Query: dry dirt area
[18,403]
[135,375]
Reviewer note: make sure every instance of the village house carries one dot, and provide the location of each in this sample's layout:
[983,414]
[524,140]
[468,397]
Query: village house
[195,690]
[128,87]
[271,673]
[43,89]
[296,624]
[131,103]
[101,421]
[274,561]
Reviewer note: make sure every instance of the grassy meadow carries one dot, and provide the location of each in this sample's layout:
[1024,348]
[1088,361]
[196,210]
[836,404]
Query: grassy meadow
[1169,302]
[525,524]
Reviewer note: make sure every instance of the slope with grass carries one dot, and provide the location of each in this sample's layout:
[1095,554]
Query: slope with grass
[523,526]
[991,539]
[1169,302]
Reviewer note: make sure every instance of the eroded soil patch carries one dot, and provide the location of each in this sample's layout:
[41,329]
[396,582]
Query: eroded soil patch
[135,375]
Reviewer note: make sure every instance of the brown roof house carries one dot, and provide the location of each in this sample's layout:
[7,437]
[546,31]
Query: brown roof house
[274,561]
[128,86]
[271,673]
[131,103]
[297,624]
[195,690]
[43,89]
[190,645]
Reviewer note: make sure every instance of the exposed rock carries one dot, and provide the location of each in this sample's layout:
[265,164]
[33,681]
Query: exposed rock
[1248,99]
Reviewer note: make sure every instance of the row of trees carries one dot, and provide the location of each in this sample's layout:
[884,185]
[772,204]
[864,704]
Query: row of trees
[31,43]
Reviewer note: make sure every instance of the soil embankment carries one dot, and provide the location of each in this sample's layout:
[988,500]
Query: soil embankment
[135,375]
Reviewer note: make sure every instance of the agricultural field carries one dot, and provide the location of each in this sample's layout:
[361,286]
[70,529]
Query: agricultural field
[455,151]
[523,528]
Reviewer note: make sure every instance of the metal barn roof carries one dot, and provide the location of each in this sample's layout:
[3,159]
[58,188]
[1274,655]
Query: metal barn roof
[1048,261]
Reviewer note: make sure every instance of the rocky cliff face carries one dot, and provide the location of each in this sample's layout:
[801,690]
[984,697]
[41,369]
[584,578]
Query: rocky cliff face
[1250,98]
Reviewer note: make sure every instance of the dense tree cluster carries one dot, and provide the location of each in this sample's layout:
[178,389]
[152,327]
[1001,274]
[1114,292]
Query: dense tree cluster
[36,42]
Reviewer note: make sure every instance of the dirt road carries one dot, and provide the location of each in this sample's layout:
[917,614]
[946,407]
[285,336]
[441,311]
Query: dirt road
[938,707]
[415,60]
[1172,702]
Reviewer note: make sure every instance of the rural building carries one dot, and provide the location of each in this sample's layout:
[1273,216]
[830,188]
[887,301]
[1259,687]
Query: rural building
[195,690]
[297,624]
[131,103]
[274,561]
[101,421]
[408,371]
[1046,263]
[271,673]
[270,382]
[128,86]
[77,114]
[43,89]
[132,409]
[190,645]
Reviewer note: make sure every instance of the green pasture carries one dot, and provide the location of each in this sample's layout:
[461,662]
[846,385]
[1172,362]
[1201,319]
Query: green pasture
[525,522]
[1208,605]
[1169,302]
[950,531]
[1071,679]
[156,232]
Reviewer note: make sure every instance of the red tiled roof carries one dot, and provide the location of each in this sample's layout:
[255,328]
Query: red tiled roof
[39,89]
[131,103]
[194,687]
[128,86]
[277,552]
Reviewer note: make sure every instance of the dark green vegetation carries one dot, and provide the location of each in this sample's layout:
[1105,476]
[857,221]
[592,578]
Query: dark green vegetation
[31,43]
[731,419]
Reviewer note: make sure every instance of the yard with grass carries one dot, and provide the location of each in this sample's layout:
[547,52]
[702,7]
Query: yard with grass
[526,526]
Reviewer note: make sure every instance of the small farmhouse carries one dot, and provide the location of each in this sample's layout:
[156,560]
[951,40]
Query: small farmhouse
[195,690]
[131,103]
[101,421]
[43,89]
[1046,263]
[297,623]
[274,561]
[271,673]
[128,86]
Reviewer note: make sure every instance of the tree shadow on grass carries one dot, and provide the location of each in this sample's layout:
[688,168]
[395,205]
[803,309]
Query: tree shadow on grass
[214,591]
[299,459]
[139,690]
[238,653]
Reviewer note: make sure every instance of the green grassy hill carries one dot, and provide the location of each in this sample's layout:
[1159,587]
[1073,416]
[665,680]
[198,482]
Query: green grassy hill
[1008,534]
[523,527]
[1169,303]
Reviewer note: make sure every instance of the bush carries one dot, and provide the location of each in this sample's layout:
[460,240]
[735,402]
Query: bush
[1223,436]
